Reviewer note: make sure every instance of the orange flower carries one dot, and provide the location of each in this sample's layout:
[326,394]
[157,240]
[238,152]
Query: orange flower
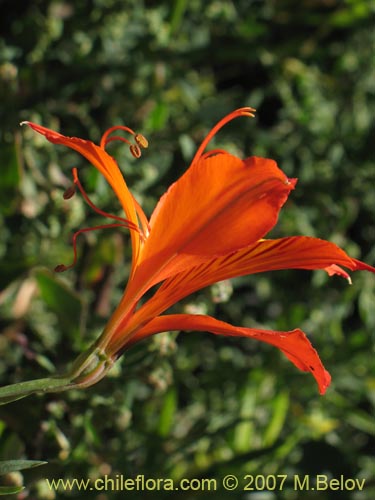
[209,226]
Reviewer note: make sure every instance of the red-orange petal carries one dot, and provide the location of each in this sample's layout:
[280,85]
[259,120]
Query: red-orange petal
[93,153]
[221,204]
[106,165]
[295,252]
[97,156]
[294,344]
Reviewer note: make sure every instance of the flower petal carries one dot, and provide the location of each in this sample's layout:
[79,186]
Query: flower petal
[218,196]
[101,160]
[294,344]
[295,252]
[220,205]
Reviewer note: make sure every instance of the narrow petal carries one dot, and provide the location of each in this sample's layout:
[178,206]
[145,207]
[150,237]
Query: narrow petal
[106,165]
[294,344]
[362,266]
[220,205]
[295,252]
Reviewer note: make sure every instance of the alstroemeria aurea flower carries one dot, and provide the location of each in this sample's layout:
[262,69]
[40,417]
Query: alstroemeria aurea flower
[209,226]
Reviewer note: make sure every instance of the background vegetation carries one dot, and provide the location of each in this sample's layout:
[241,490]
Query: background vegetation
[187,405]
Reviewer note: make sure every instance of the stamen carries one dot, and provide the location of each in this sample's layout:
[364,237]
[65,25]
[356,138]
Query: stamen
[141,141]
[117,138]
[104,139]
[123,222]
[135,150]
[128,223]
[69,193]
[247,111]
[62,267]
[130,210]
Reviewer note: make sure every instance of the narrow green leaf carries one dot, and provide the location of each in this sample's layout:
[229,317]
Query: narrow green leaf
[10,490]
[7,466]
[14,392]
[167,413]
[177,14]
[280,410]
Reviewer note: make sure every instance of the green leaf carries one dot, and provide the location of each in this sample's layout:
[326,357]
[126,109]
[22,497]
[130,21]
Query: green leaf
[280,411]
[10,490]
[10,393]
[158,117]
[7,466]
[167,413]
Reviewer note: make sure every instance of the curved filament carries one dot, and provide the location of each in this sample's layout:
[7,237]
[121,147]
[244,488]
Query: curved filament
[127,223]
[62,267]
[104,140]
[247,111]
[117,138]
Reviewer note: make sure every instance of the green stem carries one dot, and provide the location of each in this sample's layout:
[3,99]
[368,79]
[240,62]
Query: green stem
[90,367]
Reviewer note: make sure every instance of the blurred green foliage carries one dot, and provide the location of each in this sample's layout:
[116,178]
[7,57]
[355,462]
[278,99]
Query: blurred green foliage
[187,405]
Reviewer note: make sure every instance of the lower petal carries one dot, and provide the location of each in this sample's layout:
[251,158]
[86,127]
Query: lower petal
[294,344]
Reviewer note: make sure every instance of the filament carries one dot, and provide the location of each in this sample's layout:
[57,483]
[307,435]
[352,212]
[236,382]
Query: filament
[247,111]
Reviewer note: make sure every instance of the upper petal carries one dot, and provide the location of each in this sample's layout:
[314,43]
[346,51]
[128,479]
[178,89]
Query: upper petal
[220,205]
[100,159]
[294,344]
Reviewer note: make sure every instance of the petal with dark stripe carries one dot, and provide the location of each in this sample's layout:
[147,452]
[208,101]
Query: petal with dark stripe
[294,344]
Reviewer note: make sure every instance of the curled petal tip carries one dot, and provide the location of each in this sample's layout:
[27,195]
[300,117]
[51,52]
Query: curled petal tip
[323,386]
[335,269]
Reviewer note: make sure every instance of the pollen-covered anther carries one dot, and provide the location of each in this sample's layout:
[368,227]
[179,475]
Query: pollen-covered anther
[141,140]
[69,193]
[135,150]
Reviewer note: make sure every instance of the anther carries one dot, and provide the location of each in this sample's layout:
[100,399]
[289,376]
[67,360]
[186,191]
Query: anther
[60,268]
[141,140]
[69,193]
[135,150]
